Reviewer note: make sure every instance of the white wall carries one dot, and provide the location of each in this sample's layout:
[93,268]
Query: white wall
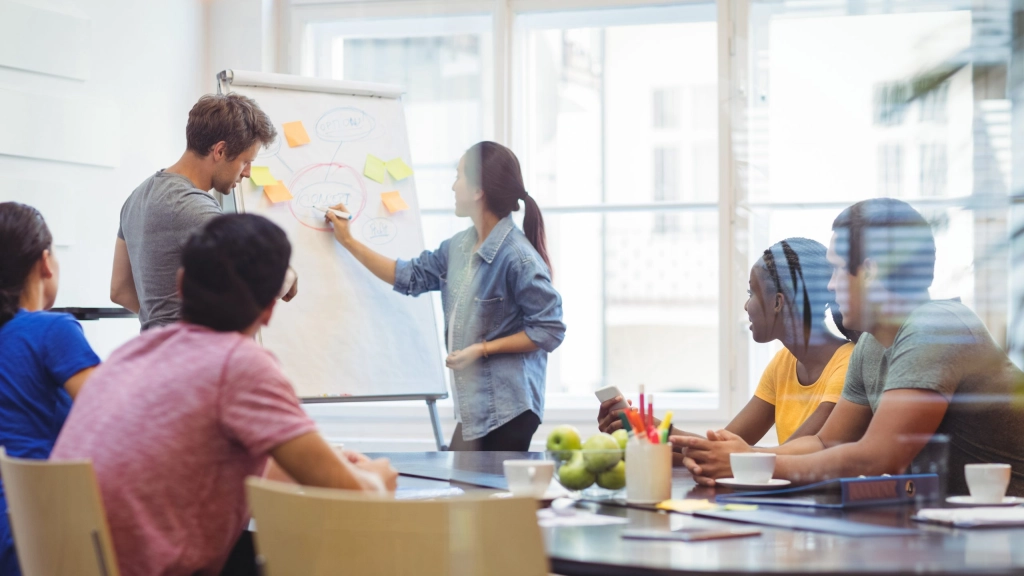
[142,69]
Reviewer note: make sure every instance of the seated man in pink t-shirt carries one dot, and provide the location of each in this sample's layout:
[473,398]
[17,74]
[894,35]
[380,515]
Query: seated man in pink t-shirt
[177,418]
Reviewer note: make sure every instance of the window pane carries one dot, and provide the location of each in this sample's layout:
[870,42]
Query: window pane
[662,301]
[594,103]
[444,64]
[881,100]
[600,119]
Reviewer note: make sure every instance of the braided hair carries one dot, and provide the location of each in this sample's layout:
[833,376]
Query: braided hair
[801,262]
[23,239]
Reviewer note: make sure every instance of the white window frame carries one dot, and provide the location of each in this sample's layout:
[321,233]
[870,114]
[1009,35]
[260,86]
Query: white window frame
[735,380]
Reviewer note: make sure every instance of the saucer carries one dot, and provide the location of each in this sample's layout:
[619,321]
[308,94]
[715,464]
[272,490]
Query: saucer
[772,484]
[969,501]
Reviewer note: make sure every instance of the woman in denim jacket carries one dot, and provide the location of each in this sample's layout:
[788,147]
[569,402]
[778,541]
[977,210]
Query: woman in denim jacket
[502,315]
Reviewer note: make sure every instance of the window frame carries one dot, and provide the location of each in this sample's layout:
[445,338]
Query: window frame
[735,382]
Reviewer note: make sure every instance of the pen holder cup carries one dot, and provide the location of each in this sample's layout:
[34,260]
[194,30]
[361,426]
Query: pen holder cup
[648,472]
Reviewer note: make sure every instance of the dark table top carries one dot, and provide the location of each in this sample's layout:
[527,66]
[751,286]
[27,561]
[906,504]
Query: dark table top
[602,550]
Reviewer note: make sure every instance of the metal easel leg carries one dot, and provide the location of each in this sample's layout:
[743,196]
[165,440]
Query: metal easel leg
[435,422]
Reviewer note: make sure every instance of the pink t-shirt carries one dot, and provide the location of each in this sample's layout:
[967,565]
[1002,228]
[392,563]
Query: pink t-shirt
[173,423]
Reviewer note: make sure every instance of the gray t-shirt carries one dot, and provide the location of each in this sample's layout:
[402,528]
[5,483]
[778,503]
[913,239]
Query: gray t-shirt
[156,221]
[944,346]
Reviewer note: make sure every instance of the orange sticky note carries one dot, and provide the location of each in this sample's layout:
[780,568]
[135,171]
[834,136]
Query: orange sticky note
[277,192]
[393,201]
[295,134]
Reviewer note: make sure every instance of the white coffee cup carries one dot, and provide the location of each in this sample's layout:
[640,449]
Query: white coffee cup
[529,477]
[752,467]
[987,482]
[648,472]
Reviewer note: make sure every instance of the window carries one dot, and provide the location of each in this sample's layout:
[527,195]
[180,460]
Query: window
[666,107]
[599,123]
[890,170]
[666,187]
[825,103]
[892,111]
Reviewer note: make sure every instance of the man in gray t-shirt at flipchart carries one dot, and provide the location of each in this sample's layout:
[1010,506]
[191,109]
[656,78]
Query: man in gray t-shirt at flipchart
[922,368]
[223,135]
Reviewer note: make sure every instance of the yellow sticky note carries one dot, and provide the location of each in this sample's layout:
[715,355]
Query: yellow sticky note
[687,506]
[398,169]
[277,192]
[374,168]
[261,176]
[394,202]
[295,134]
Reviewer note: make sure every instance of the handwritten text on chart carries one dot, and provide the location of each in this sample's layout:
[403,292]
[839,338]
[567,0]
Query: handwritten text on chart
[324,194]
[380,231]
[345,125]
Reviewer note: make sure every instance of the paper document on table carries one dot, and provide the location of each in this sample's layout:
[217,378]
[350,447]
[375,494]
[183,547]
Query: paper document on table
[427,493]
[972,517]
[547,518]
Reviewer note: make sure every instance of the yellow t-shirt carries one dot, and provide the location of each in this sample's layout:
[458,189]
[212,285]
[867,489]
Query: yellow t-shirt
[794,403]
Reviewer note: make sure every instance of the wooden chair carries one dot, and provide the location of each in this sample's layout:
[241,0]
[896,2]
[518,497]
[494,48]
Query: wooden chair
[316,532]
[57,518]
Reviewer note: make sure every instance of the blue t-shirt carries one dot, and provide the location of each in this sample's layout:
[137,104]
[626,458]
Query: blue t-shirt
[39,352]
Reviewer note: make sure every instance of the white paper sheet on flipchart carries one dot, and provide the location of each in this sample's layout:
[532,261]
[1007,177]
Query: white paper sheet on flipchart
[346,333]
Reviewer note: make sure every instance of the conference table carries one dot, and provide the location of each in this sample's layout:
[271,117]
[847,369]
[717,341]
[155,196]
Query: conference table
[601,550]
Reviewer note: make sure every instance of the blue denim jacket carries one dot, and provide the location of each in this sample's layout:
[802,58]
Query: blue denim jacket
[500,290]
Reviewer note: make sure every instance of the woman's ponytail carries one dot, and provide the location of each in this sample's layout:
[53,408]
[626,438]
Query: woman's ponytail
[533,228]
[495,170]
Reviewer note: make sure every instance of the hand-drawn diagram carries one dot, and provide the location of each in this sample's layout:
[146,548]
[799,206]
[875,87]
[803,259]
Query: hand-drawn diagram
[380,231]
[345,125]
[273,151]
[325,184]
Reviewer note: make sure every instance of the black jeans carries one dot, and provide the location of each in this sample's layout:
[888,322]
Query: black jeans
[242,561]
[513,436]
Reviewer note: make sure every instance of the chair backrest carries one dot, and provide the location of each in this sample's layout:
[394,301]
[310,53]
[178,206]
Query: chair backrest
[57,518]
[316,532]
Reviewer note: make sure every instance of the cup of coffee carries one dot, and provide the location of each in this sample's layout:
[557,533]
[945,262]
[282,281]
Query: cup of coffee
[529,477]
[987,482]
[752,467]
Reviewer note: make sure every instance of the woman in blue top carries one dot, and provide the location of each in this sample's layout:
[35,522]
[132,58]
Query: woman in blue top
[45,358]
[502,315]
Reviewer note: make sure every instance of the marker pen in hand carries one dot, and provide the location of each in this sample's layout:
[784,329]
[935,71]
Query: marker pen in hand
[338,213]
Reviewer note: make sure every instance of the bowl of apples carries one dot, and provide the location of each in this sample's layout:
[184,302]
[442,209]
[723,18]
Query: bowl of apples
[595,469]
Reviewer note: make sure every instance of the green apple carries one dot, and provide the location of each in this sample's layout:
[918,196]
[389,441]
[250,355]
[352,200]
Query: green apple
[622,437]
[574,474]
[601,452]
[614,478]
[563,440]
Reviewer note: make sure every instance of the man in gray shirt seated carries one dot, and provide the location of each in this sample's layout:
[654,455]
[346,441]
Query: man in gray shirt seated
[922,367]
[223,136]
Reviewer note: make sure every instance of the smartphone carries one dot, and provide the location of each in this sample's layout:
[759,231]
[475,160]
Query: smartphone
[607,393]
[690,534]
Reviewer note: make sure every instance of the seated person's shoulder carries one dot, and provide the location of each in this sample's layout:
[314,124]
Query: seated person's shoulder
[942,322]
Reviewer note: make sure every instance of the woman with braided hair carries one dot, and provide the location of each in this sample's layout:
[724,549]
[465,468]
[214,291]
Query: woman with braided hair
[44,357]
[789,297]
[502,314]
